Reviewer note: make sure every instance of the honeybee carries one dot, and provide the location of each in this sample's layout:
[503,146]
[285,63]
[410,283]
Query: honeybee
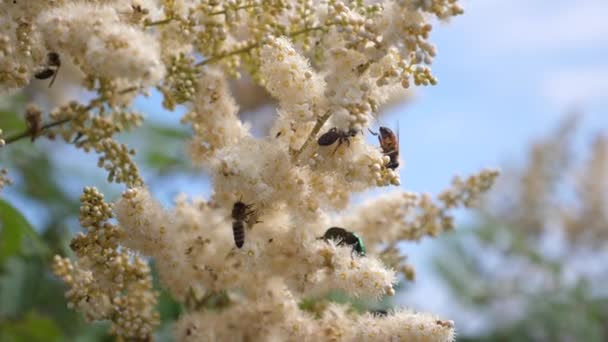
[390,146]
[53,62]
[343,236]
[379,313]
[240,214]
[333,135]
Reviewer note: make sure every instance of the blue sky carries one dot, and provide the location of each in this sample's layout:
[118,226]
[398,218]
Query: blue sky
[508,71]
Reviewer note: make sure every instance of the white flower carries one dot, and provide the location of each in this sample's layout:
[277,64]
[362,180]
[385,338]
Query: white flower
[103,45]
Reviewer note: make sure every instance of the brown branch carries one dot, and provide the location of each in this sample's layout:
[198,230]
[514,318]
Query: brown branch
[158,22]
[258,44]
[28,132]
[315,130]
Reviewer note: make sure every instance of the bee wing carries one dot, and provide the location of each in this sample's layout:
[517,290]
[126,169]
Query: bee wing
[398,128]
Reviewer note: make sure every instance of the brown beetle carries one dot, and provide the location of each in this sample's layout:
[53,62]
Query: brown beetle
[390,146]
[333,135]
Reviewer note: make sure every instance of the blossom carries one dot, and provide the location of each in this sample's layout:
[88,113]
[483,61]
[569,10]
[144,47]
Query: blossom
[104,46]
[330,67]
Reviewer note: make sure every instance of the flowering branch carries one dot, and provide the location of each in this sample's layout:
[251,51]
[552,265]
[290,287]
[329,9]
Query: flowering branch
[313,133]
[252,46]
[274,217]
[29,132]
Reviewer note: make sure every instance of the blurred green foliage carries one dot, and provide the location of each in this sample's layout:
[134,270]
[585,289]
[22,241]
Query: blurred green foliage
[559,311]
[531,266]
[32,303]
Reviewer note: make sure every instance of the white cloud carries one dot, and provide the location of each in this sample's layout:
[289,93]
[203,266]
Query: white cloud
[576,86]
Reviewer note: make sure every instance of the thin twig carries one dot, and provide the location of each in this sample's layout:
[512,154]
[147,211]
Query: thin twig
[158,22]
[50,125]
[315,130]
[27,133]
[257,44]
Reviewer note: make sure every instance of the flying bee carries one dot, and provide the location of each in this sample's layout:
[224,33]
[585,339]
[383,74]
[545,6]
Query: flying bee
[390,146]
[53,62]
[240,214]
[333,135]
[343,236]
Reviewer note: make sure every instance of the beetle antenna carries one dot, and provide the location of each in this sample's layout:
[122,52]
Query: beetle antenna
[398,127]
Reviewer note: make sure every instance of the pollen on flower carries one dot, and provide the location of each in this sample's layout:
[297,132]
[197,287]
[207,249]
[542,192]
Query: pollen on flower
[288,77]
[214,117]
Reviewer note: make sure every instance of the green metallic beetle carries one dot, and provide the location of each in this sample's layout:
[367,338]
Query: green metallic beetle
[343,236]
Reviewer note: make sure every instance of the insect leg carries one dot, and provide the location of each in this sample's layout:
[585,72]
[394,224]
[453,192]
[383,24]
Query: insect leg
[338,146]
[54,76]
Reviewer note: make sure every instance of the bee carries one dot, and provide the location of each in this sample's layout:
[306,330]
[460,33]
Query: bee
[343,236]
[240,213]
[333,135]
[390,146]
[379,313]
[445,324]
[53,62]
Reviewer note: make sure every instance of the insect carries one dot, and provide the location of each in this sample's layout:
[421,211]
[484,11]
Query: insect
[240,214]
[390,146]
[33,120]
[343,236]
[379,313]
[333,135]
[53,62]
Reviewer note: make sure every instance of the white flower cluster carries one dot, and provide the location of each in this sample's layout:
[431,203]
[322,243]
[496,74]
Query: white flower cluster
[290,79]
[267,239]
[214,117]
[93,34]
[276,317]
[194,246]
[103,45]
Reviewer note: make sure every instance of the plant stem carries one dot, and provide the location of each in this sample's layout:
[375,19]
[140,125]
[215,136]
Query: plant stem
[258,44]
[158,22]
[320,122]
[27,133]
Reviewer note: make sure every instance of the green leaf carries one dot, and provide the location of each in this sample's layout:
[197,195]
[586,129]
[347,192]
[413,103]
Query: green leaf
[11,115]
[172,133]
[162,160]
[32,328]
[12,282]
[14,229]
[31,164]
